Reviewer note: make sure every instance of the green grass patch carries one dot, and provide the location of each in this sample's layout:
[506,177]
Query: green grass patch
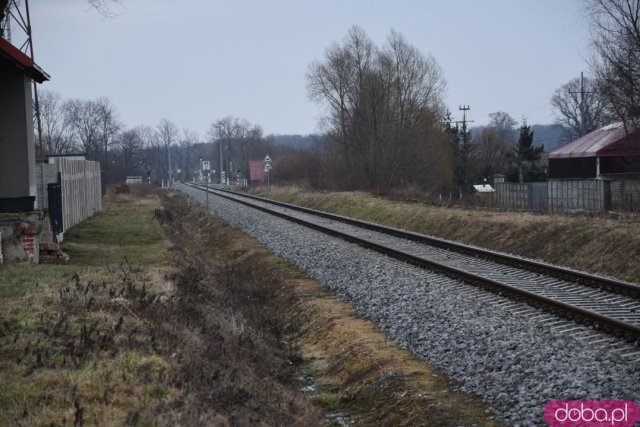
[18,280]
[124,229]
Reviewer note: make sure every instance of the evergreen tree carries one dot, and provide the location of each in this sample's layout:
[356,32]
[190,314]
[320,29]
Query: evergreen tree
[526,155]
[463,166]
[459,142]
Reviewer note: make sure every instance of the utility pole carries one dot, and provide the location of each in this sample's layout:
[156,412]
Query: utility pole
[463,152]
[220,158]
[169,155]
[583,129]
[464,109]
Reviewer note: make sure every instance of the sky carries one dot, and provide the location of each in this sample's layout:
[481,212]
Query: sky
[196,61]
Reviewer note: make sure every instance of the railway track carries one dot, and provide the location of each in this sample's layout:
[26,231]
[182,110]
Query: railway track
[601,303]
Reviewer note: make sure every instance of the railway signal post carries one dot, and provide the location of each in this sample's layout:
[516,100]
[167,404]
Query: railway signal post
[206,167]
[267,170]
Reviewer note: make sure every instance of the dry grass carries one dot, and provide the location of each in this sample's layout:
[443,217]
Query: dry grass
[75,347]
[599,245]
[232,349]
[104,343]
[377,381]
[361,372]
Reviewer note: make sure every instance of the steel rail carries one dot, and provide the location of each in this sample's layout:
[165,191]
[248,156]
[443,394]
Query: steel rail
[564,273]
[579,314]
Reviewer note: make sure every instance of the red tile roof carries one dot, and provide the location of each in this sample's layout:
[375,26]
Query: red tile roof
[23,62]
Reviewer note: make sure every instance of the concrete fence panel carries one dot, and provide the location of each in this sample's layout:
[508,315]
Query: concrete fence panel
[578,194]
[513,195]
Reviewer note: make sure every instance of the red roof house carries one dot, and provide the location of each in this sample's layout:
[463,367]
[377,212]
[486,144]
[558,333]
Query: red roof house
[612,149]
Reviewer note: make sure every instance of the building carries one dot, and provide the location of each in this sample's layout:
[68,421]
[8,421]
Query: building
[608,151]
[17,143]
[256,170]
[21,224]
[599,171]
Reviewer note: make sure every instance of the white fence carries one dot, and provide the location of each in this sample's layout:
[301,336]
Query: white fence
[81,188]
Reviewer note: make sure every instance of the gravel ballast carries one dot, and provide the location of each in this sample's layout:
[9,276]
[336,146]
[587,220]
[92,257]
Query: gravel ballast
[516,366]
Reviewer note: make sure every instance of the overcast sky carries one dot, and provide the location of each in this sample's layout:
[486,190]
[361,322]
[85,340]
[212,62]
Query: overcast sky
[195,61]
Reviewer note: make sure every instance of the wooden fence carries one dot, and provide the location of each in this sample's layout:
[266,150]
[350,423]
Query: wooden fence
[81,188]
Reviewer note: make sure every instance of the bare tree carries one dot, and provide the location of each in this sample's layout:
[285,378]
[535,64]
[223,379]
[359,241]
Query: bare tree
[235,138]
[336,82]
[504,126]
[151,156]
[55,127]
[248,135]
[223,132]
[186,150]
[616,40]
[168,135]
[84,120]
[105,7]
[489,153]
[130,144]
[579,108]
[109,127]
[384,110]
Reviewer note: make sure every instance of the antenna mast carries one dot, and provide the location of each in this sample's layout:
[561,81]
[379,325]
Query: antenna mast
[5,20]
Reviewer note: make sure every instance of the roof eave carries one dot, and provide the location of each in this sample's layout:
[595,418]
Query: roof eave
[38,74]
[23,61]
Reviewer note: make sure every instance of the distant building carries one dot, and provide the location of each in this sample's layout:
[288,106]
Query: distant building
[598,171]
[256,170]
[134,180]
[608,151]
[483,188]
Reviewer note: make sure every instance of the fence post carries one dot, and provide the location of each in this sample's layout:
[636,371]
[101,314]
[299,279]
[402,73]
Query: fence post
[607,195]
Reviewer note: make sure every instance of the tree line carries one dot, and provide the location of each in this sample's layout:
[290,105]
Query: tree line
[92,128]
[387,127]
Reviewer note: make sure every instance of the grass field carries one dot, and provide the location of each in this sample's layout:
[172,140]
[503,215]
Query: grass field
[124,228]
[72,348]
